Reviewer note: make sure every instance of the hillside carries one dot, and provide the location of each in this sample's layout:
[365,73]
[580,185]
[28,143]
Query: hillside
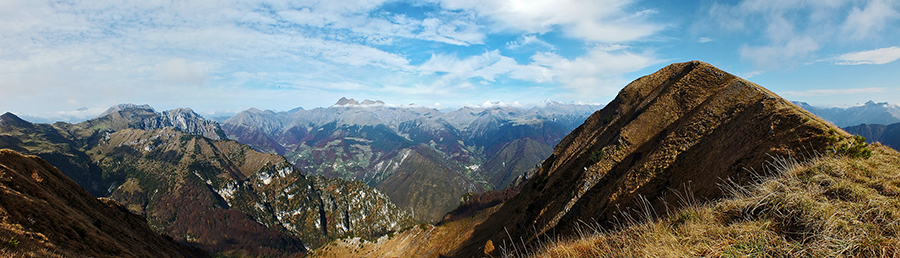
[52,145]
[219,195]
[830,206]
[885,134]
[686,129]
[43,213]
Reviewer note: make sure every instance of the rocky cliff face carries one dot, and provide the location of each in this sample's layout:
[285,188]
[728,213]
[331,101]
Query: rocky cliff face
[144,117]
[685,128]
[45,214]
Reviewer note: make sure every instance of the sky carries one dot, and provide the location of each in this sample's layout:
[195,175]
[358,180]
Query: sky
[71,60]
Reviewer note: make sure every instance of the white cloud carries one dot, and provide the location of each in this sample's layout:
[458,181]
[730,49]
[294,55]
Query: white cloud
[877,56]
[777,55]
[704,40]
[863,23]
[527,40]
[179,71]
[609,21]
[795,30]
[597,72]
[751,74]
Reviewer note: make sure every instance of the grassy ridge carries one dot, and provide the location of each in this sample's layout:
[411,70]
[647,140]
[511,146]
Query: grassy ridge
[835,205]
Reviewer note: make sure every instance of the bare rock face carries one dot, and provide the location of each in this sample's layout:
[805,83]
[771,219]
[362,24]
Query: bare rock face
[144,117]
[686,128]
[46,214]
[345,102]
[187,121]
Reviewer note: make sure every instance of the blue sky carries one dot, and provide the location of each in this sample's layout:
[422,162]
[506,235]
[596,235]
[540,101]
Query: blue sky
[70,60]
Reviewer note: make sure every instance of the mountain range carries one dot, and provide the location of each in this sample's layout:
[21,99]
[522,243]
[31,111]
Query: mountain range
[404,150]
[687,161]
[877,122]
[869,113]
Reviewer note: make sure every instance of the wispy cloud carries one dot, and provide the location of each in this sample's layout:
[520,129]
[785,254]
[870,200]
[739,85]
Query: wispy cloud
[600,71]
[872,18]
[609,21]
[777,55]
[794,31]
[597,72]
[529,40]
[877,56]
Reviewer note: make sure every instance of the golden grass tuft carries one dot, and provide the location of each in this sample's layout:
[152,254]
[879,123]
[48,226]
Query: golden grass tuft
[833,205]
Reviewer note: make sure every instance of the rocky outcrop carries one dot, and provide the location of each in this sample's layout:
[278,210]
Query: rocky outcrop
[144,117]
[45,214]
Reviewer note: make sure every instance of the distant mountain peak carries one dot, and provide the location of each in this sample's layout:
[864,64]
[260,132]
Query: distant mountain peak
[352,102]
[11,119]
[370,102]
[872,103]
[127,106]
[344,102]
[295,110]
[146,118]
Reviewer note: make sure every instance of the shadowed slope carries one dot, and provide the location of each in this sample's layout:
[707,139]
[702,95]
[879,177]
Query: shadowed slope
[885,134]
[49,215]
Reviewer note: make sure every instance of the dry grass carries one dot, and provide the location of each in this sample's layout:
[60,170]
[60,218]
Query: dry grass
[830,206]
[423,241]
